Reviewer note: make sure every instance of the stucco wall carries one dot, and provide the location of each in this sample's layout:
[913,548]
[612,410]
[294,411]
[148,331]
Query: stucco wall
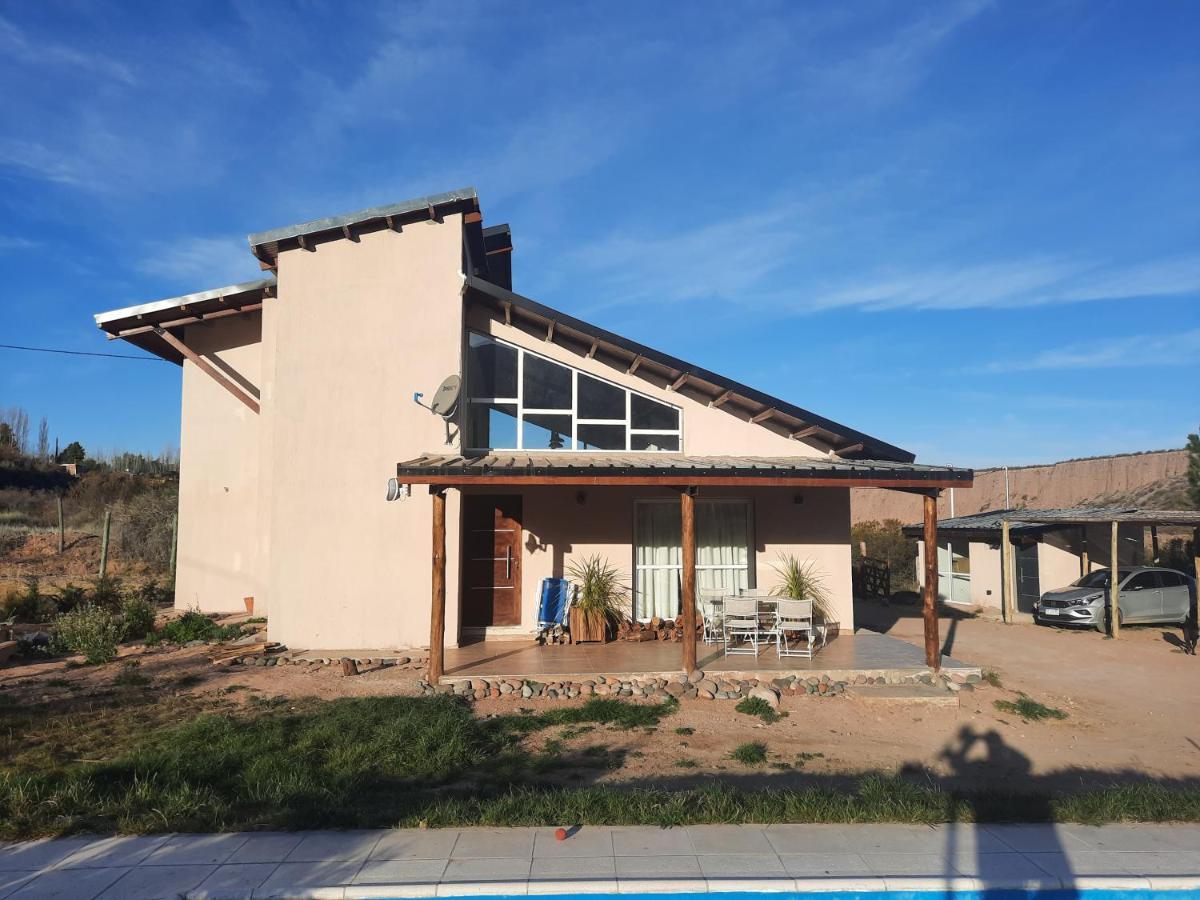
[559,530]
[218,561]
[359,327]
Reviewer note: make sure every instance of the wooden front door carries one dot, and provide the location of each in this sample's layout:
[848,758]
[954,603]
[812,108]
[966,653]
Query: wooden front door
[491,561]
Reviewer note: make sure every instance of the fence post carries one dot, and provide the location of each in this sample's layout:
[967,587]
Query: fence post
[62,536]
[104,542]
[174,543]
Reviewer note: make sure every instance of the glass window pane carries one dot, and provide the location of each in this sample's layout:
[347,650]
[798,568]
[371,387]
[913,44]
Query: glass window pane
[600,437]
[722,534]
[491,368]
[547,385]
[669,442]
[600,400]
[654,416]
[541,431]
[492,425]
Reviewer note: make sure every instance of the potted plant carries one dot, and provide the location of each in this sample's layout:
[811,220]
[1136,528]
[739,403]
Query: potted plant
[600,602]
[802,580]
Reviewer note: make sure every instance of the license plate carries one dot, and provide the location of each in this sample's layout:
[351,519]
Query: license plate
[1050,612]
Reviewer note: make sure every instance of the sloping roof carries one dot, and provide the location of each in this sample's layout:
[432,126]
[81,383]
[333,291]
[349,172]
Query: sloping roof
[1040,519]
[136,324]
[756,405]
[670,468]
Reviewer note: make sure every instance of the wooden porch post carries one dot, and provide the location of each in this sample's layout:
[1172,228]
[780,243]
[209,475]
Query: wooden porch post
[933,650]
[1007,577]
[1154,544]
[437,618]
[687,598]
[1114,592]
[1084,564]
[1195,611]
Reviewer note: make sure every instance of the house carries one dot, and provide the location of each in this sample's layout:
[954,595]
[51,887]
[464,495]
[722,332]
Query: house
[1042,549]
[306,390]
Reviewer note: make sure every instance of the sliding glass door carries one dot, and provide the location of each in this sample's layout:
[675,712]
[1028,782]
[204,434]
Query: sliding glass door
[723,552]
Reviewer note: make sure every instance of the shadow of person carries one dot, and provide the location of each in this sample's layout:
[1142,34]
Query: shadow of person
[1007,821]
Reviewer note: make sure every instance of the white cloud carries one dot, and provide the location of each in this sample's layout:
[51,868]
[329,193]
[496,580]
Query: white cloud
[15,44]
[1134,350]
[10,242]
[200,263]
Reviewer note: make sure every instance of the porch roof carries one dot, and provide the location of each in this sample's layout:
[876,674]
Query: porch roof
[992,522]
[515,468]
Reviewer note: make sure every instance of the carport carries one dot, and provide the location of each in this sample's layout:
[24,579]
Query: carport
[1011,529]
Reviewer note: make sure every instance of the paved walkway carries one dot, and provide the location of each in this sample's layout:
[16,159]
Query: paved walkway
[454,862]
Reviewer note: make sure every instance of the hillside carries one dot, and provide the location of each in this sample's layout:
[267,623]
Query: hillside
[1154,479]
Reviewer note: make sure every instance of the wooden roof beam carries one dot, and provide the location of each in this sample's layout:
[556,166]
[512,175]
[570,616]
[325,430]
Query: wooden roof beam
[633,366]
[762,416]
[806,432]
[207,367]
[721,400]
[849,448]
[591,354]
[550,330]
[679,382]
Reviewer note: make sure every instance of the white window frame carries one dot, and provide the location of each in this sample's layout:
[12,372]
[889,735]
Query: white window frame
[573,437]
[751,560]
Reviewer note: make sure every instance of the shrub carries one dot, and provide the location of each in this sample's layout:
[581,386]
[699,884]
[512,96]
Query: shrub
[137,616]
[757,706]
[70,597]
[193,625]
[144,523]
[89,630]
[753,753]
[1030,709]
[106,593]
[885,540]
[129,676]
[28,604]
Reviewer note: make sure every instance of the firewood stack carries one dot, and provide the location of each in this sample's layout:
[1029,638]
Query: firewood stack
[657,629]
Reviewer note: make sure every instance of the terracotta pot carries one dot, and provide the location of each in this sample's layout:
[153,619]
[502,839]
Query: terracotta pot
[588,626]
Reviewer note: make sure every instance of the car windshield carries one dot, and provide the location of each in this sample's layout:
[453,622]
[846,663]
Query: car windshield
[1097,579]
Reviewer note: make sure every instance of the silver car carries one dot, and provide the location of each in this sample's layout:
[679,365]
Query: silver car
[1145,594]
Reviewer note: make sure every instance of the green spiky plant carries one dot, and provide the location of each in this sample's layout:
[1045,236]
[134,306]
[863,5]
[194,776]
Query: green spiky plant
[802,580]
[600,588]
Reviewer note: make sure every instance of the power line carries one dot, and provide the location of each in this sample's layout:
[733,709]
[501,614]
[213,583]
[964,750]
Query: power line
[80,353]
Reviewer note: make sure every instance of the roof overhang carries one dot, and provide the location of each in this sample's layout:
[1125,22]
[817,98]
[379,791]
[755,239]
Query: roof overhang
[752,405]
[140,324]
[674,470]
[1031,521]
[267,245]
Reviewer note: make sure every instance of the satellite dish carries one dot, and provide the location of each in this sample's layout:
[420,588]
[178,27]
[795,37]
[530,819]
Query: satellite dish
[445,399]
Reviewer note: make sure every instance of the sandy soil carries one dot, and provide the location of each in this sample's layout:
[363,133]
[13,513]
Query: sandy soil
[1131,705]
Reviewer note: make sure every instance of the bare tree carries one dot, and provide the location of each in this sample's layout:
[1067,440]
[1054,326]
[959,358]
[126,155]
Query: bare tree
[18,422]
[43,444]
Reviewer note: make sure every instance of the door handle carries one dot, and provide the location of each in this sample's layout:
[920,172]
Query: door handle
[508,561]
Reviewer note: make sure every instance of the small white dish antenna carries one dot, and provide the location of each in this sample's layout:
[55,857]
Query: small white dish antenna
[445,400]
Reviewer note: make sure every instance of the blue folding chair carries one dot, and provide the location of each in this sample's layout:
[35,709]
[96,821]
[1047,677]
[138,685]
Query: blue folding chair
[553,605]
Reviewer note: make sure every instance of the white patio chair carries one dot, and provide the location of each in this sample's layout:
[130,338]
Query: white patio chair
[791,617]
[711,603]
[741,623]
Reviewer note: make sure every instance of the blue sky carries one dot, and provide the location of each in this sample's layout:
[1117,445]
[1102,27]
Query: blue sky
[971,229]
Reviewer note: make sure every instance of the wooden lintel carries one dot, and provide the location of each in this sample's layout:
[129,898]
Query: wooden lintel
[472,217]
[493,479]
[806,432]
[679,382]
[206,367]
[550,330]
[762,416]
[721,400]
[633,366]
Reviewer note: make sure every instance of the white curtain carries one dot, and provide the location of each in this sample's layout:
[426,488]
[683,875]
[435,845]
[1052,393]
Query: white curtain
[722,553]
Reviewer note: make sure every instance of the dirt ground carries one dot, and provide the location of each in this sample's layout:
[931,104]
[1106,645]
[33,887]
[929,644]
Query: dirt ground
[35,554]
[1131,712]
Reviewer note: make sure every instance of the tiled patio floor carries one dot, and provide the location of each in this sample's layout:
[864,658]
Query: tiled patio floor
[863,652]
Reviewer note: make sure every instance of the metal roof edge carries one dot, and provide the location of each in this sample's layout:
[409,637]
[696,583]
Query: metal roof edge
[353,218]
[899,454]
[171,302]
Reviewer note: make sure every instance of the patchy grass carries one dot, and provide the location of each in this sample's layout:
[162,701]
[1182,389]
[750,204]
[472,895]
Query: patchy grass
[1029,709]
[686,763]
[753,753]
[757,706]
[193,625]
[129,676]
[992,677]
[684,731]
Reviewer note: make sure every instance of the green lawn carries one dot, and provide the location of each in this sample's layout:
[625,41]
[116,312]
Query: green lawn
[143,764]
